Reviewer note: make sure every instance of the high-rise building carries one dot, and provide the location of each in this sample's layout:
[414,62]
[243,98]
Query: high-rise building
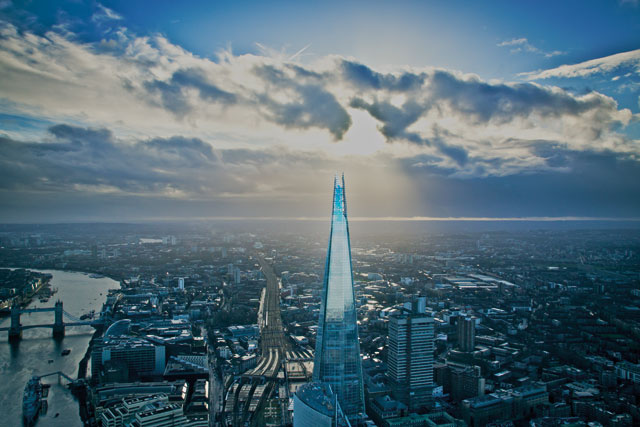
[135,357]
[466,333]
[181,283]
[466,382]
[460,381]
[337,360]
[410,357]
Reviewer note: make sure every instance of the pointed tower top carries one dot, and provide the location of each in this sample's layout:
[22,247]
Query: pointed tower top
[339,199]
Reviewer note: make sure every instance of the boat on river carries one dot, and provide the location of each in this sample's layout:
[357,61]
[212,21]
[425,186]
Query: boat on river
[31,401]
[88,315]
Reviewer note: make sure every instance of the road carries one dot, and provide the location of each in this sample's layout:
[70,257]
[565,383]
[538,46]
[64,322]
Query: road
[216,390]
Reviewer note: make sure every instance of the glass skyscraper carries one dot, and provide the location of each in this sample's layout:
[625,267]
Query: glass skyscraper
[337,359]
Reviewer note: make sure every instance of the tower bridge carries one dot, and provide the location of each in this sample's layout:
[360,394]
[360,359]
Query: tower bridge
[58,325]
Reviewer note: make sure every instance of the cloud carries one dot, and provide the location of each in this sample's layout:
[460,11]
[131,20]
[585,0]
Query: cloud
[364,77]
[173,94]
[523,45]
[103,13]
[106,123]
[475,128]
[310,104]
[144,88]
[395,120]
[90,174]
[602,65]
[78,159]
[79,173]
[595,184]
[503,103]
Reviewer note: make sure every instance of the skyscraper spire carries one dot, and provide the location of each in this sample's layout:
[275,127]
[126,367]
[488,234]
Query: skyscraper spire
[337,359]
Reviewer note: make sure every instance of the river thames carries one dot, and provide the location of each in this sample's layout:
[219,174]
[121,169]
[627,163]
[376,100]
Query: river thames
[38,353]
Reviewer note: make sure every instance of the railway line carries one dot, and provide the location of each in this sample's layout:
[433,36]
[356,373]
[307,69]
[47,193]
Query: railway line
[246,397]
[271,332]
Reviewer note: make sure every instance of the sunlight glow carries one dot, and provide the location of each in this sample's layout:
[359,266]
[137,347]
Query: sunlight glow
[363,138]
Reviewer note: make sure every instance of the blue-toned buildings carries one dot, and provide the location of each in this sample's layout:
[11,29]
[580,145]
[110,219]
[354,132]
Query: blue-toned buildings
[337,359]
[410,358]
[315,405]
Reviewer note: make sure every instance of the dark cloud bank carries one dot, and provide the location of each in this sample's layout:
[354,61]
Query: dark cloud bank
[88,174]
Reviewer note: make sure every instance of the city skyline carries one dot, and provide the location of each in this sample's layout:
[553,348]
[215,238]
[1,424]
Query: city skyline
[112,111]
[199,324]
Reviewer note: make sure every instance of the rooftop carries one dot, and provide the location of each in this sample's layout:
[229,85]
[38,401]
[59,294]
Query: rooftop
[317,396]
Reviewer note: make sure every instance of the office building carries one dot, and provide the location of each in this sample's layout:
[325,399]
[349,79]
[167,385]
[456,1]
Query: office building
[126,358]
[516,404]
[160,414]
[460,381]
[466,382]
[383,408]
[527,398]
[122,414]
[628,372]
[410,358]
[481,410]
[432,419]
[466,333]
[337,360]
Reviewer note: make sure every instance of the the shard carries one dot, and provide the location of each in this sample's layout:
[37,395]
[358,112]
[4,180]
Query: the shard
[337,359]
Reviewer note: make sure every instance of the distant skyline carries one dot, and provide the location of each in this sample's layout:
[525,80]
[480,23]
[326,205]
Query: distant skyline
[127,111]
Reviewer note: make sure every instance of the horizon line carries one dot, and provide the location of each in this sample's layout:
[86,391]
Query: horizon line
[352,219]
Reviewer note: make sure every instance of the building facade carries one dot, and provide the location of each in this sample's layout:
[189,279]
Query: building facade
[461,381]
[466,333]
[337,360]
[135,357]
[410,358]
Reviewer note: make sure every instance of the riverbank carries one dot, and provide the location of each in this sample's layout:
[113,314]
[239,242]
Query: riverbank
[38,354]
[24,300]
[69,269]
[82,391]
[82,366]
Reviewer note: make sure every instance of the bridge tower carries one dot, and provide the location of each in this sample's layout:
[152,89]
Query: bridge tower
[15,331]
[58,324]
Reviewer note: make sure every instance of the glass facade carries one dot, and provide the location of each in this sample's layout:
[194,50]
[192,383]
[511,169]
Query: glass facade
[337,359]
[314,405]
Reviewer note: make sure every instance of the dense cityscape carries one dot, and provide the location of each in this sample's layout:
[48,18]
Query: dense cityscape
[410,213]
[217,324]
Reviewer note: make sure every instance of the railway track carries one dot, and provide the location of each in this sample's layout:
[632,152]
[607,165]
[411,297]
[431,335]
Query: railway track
[242,401]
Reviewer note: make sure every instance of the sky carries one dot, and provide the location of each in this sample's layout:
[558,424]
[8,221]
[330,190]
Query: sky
[156,110]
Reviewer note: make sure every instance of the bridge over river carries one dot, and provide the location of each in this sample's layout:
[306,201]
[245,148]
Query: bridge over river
[58,325]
